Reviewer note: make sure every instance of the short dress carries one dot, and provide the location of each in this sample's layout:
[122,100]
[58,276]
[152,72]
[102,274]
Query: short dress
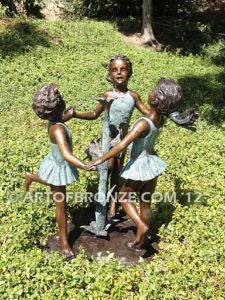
[54,169]
[144,163]
[120,113]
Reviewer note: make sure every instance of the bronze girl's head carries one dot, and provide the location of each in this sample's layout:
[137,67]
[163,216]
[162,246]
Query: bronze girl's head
[166,97]
[119,58]
[48,103]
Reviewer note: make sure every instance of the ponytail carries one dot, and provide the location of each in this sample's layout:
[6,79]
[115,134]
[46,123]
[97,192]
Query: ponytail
[184,119]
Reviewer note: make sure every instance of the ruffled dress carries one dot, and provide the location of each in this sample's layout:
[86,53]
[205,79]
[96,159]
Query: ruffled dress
[54,169]
[144,163]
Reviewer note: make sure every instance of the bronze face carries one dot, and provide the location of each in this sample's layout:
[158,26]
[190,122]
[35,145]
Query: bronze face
[119,73]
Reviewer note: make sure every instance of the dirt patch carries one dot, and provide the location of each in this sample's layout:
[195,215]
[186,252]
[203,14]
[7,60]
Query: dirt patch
[133,39]
[53,11]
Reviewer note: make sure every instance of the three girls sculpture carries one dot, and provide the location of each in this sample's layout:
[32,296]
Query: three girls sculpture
[59,167]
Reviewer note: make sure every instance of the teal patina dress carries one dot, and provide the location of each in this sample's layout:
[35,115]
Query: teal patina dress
[120,111]
[144,163]
[54,169]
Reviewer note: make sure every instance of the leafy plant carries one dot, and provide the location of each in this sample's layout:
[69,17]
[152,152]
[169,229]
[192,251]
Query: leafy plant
[23,7]
[101,8]
[3,11]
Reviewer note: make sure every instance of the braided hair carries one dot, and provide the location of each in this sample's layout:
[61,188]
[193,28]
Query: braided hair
[47,102]
[120,57]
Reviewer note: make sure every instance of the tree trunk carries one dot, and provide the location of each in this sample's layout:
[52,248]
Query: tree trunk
[147,35]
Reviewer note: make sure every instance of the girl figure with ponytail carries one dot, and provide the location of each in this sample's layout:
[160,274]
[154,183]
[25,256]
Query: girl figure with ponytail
[144,166]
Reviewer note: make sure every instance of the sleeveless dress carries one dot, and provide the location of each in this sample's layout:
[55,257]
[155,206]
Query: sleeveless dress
[120,112]
[54,169]
[144,163]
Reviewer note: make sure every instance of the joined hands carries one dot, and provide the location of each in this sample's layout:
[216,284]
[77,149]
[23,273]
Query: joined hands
[92,166]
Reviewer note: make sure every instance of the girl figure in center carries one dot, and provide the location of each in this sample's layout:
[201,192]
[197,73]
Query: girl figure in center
[144,166]
[120,102]
[59,167]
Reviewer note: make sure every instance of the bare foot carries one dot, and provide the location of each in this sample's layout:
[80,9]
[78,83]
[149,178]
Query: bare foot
[134,247]
[27,182]
[140,235]
[67,252]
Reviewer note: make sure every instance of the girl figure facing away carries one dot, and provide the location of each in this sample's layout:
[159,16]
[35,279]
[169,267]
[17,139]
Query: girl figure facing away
[144,166]
[59,167]
[119,102]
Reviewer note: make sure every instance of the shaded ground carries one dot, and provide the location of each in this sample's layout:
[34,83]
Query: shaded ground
[185,34]
[95,247]
[19,37]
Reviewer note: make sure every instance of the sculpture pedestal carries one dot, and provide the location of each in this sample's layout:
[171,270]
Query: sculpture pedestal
[120,234]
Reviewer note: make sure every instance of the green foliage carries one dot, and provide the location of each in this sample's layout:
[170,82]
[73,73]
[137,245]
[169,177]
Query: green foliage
[20,37]
[109,8]
[74,55]
[190,33]
[3,11]
[193,6]
[185,7]
[22,7]
[215,51]
[103,8]
[199,34]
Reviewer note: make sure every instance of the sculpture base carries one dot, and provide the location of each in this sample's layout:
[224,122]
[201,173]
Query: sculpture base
[119,234]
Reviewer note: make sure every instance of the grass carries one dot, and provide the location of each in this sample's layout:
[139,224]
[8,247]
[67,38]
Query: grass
[74,55]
